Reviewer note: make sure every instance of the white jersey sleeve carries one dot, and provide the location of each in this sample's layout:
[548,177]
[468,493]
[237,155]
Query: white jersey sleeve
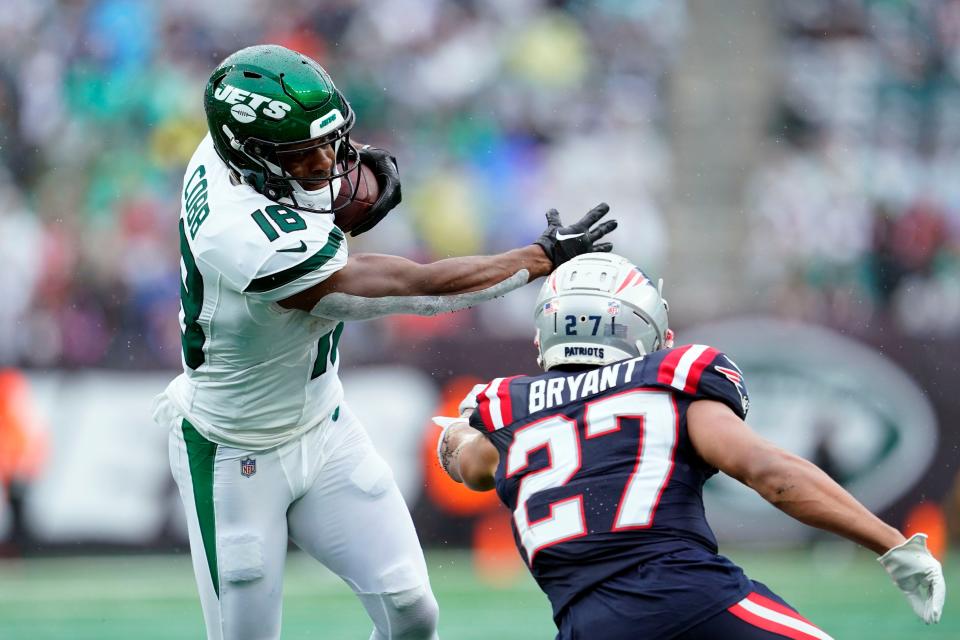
[264,249]
[272,270]
[321,250]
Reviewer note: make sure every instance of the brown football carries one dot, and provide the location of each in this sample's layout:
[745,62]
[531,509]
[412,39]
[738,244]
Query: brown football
[353,213]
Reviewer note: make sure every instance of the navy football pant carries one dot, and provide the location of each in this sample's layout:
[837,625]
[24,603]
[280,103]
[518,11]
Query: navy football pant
[606,614]
[762,615]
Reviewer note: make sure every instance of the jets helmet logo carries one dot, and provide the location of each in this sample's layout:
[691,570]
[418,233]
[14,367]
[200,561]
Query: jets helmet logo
[275,109]
[243,113]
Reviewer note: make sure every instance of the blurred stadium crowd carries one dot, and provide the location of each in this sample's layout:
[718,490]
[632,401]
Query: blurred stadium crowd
[496,110]
[856,207]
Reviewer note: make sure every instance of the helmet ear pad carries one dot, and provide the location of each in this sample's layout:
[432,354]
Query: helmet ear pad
[596,309]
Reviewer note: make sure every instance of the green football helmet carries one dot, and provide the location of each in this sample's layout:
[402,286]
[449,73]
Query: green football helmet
[270,109]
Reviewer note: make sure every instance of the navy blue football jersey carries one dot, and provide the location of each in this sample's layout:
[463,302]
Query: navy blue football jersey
[601,477]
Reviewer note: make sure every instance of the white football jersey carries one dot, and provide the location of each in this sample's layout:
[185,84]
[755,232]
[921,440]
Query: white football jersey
[254,374]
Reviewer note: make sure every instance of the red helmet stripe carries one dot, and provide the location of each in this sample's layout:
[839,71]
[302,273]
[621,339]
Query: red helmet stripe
[626,281]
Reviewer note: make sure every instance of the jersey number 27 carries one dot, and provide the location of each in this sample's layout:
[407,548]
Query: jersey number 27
[657,439]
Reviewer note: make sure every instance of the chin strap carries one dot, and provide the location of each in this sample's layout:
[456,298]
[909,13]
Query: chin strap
[344,306]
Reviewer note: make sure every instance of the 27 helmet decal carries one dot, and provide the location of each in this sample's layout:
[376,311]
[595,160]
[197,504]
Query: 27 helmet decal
[596,309]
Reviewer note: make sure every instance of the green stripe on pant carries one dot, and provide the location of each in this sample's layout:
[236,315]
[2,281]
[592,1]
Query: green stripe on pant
[202,455]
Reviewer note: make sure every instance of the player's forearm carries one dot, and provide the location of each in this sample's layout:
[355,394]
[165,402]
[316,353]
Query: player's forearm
[474,273]
[372,285]
[379,276]
[803,491]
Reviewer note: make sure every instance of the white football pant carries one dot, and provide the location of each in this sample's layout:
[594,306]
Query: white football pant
[329,491]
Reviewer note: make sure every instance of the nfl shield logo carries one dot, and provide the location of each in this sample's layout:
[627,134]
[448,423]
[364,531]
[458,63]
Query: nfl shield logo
[248,467]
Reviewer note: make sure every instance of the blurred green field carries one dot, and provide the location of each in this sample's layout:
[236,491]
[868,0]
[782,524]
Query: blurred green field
[154,597]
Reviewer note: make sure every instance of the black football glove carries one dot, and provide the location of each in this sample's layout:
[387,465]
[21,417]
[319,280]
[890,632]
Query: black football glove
[384,168]
[563,243]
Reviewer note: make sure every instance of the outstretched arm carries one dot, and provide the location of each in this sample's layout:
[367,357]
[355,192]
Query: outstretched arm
[802,490]
[371,276]
[372,285]
[795,486]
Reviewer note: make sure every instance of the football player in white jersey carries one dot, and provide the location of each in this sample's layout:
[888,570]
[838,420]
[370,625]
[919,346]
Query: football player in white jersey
[262,445]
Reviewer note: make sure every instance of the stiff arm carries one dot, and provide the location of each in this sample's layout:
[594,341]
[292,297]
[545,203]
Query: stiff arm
[374,285]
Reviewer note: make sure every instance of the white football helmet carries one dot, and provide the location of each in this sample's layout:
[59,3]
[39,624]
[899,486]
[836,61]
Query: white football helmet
[596,309]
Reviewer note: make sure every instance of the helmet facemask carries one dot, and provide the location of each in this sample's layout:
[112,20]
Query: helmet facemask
[318,192]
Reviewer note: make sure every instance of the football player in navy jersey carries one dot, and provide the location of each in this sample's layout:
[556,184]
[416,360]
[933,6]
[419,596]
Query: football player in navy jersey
[602,460]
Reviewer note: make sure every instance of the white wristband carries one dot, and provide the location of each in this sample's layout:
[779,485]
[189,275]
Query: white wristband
[345,306]
[446,423]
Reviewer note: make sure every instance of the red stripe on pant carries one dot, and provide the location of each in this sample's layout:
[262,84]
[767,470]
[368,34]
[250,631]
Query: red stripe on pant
[763,601]
[769,625]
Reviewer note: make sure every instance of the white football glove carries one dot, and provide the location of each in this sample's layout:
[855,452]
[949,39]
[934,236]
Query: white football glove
[919,576]
[469,403]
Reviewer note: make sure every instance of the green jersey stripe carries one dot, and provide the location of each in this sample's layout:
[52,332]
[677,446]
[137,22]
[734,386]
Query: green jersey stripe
[323,351]
[335,343]
[314,262]
[326,351]
[192,338]
[202,455]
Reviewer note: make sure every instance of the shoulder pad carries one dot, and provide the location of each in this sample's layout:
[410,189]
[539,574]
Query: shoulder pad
[263,248]
[494,406]
[318,252]
[705,373]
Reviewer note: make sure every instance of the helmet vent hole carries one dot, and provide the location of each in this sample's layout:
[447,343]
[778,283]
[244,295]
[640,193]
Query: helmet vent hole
[251,74]
[645,321]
